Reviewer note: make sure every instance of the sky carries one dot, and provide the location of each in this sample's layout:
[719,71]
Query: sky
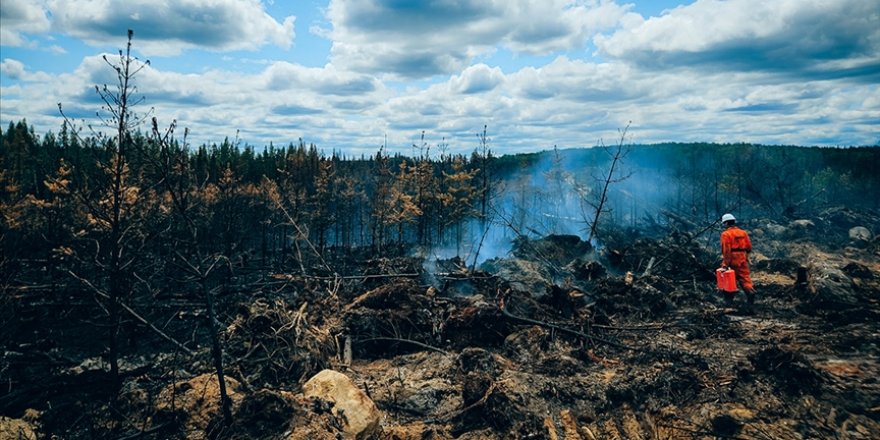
[354,75]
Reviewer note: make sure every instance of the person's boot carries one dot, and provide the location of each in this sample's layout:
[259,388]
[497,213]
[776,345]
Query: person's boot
[750,302]
[728,299]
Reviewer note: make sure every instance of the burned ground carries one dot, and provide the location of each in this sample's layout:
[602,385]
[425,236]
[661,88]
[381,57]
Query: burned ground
[559,340]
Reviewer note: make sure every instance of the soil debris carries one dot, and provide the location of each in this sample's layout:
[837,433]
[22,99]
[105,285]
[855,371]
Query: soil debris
[560,340]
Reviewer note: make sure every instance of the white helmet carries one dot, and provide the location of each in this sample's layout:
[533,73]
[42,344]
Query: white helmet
[727,218]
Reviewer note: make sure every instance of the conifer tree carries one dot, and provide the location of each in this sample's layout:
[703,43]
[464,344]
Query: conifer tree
[113,197]
[458,198]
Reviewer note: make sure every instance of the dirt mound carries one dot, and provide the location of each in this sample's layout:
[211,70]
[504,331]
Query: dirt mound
[527,276]
[476,321]
[273,342]
[269,415]
[380,319]
[614,296]
[18,429]
[557,250]
[677,256]
[196,404]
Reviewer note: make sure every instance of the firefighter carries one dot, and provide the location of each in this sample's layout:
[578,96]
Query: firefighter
[735,249]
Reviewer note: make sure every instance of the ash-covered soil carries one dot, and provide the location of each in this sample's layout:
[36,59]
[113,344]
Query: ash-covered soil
[558,340]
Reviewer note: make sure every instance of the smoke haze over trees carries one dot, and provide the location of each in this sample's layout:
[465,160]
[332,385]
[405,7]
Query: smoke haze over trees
[389,203]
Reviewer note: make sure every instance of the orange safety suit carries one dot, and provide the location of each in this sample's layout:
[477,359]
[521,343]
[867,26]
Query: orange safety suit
[735,246]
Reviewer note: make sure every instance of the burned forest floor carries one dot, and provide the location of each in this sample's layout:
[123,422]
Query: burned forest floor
[555,340]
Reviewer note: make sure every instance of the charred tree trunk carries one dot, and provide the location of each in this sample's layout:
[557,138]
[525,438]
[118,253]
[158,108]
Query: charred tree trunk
[216,352]
[619,153]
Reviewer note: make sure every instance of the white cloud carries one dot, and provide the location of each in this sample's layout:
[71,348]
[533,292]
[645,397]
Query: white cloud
[586,102]
[421,39]
[580,81]
[799,37]
[568,101]
[541,27]
[476,79]
[19,17]
[12,68]
[168,27]
[282,76]
[16,70]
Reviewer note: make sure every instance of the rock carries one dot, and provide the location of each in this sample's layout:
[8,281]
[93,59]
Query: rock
[856,270]
[425,397]
[802,228]
[774,229]
[523,275]
[831,286]
[361,415]
[558,250]
[842,217]
[801,224]
[860,234]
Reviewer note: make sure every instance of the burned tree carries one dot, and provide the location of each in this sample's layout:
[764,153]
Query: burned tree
[458,195]
[112,199]
[600,206]
[383,182]
[483,157]
[187,197]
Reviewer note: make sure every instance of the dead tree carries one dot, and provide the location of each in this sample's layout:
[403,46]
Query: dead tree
[177,177]
[484,155]
[117,198]
[617,154]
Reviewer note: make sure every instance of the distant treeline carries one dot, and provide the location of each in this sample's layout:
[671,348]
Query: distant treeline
[704,180]
[275,202]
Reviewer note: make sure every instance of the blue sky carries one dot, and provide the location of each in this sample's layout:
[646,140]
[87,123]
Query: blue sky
[350,75]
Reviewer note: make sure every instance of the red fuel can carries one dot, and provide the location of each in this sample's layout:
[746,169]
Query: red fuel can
[726,279]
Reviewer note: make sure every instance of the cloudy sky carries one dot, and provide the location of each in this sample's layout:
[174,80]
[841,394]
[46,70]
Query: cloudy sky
[350,75]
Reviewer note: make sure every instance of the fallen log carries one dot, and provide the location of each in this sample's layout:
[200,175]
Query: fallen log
[686,223]
[648,269]
[589,337]
[408,341]
[288,277]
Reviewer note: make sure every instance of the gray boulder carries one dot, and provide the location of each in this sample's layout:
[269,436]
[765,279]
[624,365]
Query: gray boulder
[860,234]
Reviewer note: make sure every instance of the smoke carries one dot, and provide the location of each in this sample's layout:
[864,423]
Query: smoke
[480,241]
[558,194]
